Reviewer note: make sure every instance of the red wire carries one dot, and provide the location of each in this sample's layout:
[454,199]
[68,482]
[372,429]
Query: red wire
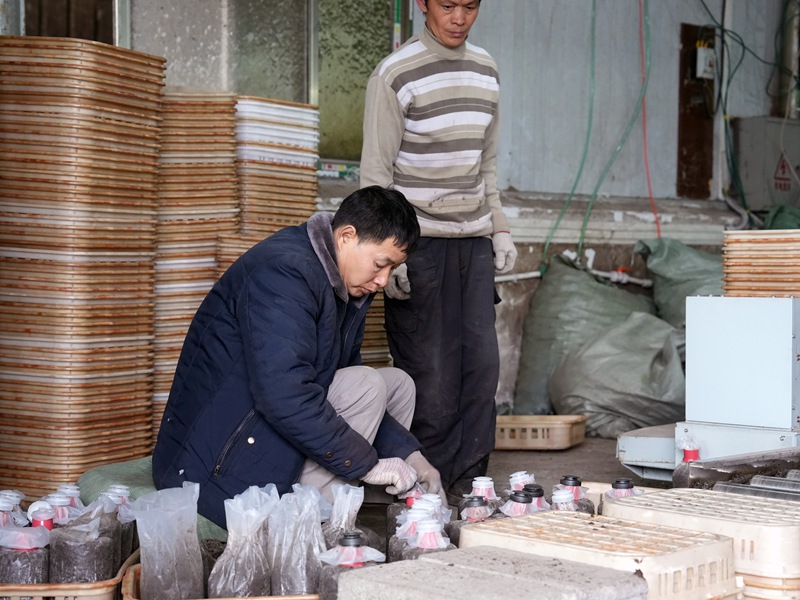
[644,122]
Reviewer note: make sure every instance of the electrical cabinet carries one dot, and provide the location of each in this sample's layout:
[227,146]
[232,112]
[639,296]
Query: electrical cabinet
[767,152]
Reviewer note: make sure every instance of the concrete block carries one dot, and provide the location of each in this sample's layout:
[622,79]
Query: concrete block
[488,572]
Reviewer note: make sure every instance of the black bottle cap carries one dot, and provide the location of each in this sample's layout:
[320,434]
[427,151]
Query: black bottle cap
[475,501]
[351,539]
[570,480]
[520,496]
[534,490]
[623,483]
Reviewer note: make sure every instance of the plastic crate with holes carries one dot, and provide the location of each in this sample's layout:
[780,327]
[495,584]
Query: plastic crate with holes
[539,432]
[765,531]
[677,564]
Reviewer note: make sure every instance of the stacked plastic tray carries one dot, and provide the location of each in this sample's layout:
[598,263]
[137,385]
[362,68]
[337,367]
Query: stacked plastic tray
[761,263]
[677,564]
[197,201]
[765,532]
[79,127]
[277,152]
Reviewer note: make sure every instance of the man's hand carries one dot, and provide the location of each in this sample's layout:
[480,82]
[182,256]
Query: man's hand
[505,253]
[393,472]
[427,475]
[398,286]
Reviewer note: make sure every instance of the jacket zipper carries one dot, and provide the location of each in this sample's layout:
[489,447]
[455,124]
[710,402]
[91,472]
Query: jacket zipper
[346,346]
[231,441]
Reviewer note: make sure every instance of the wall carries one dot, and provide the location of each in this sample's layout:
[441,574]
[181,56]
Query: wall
[544,54]
[251,47]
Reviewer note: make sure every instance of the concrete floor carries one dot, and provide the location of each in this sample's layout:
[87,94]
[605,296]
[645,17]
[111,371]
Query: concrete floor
[594,459]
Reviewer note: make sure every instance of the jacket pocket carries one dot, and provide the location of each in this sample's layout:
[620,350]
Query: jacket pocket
[235,440]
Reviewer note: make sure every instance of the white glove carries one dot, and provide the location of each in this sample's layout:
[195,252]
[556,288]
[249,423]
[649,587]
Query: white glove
[505,254]
[394,471]
[427,475]
[398,286]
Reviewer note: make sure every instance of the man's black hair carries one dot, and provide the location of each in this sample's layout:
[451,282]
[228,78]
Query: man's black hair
[378,213]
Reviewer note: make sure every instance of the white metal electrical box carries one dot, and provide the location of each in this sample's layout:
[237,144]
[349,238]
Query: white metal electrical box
[767,150]
[743,361]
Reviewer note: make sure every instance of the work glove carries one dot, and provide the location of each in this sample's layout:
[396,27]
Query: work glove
[427,475]
[505,254]
[398,286]
[393,471]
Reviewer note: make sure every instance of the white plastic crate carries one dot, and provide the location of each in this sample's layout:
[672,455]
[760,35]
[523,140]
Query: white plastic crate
[765,532]
[677,564]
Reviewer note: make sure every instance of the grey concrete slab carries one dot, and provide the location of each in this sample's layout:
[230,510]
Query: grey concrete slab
[485,572]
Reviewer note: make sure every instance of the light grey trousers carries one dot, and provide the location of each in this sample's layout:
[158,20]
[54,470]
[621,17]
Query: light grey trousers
[361,396]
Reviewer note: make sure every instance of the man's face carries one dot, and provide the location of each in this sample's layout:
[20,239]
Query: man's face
[365,266]
[450,20]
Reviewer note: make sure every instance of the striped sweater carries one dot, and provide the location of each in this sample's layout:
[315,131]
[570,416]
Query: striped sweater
[430,131]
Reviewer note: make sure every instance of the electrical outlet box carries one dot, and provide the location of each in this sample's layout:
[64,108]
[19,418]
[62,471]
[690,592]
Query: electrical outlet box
[706,67]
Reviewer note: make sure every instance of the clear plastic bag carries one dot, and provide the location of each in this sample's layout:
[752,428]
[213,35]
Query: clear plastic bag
[24,556]
[295,542]
[166,520]
[243,568]
[518,505]
[347,500]
[346,553]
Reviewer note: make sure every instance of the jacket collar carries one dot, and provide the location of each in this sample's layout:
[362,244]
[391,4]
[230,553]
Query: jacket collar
[320,233]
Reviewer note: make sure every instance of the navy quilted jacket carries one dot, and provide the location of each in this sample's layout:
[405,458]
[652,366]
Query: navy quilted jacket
[248,401]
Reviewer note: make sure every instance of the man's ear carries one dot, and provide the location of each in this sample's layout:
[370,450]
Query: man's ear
[347,233]
[423,5]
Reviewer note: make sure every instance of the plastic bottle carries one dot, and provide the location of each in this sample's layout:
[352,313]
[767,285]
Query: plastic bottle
[19,518]
[123,491]
[442,512]
[428,539]
[564,500]
[60,504]
[6,512]
[518,504]
[42,516]
[690,447]
[573,484]
[475,510]
[350,553]
[73,492]
[536,492]
[407,530]
[519,479]
[619,489]
[24,556]
[484,487]
[396,509]
[121,534]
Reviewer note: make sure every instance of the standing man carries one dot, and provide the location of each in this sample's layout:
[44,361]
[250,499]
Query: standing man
[269,386]
[430,131]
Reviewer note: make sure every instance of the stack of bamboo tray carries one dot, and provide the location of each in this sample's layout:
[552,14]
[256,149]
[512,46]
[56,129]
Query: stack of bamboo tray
[197,201]
[375,349]
[762,263]
[78,166]
[277,152]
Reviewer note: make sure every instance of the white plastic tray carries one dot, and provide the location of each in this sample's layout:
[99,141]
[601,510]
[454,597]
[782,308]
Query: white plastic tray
[766,532]
[677,564]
